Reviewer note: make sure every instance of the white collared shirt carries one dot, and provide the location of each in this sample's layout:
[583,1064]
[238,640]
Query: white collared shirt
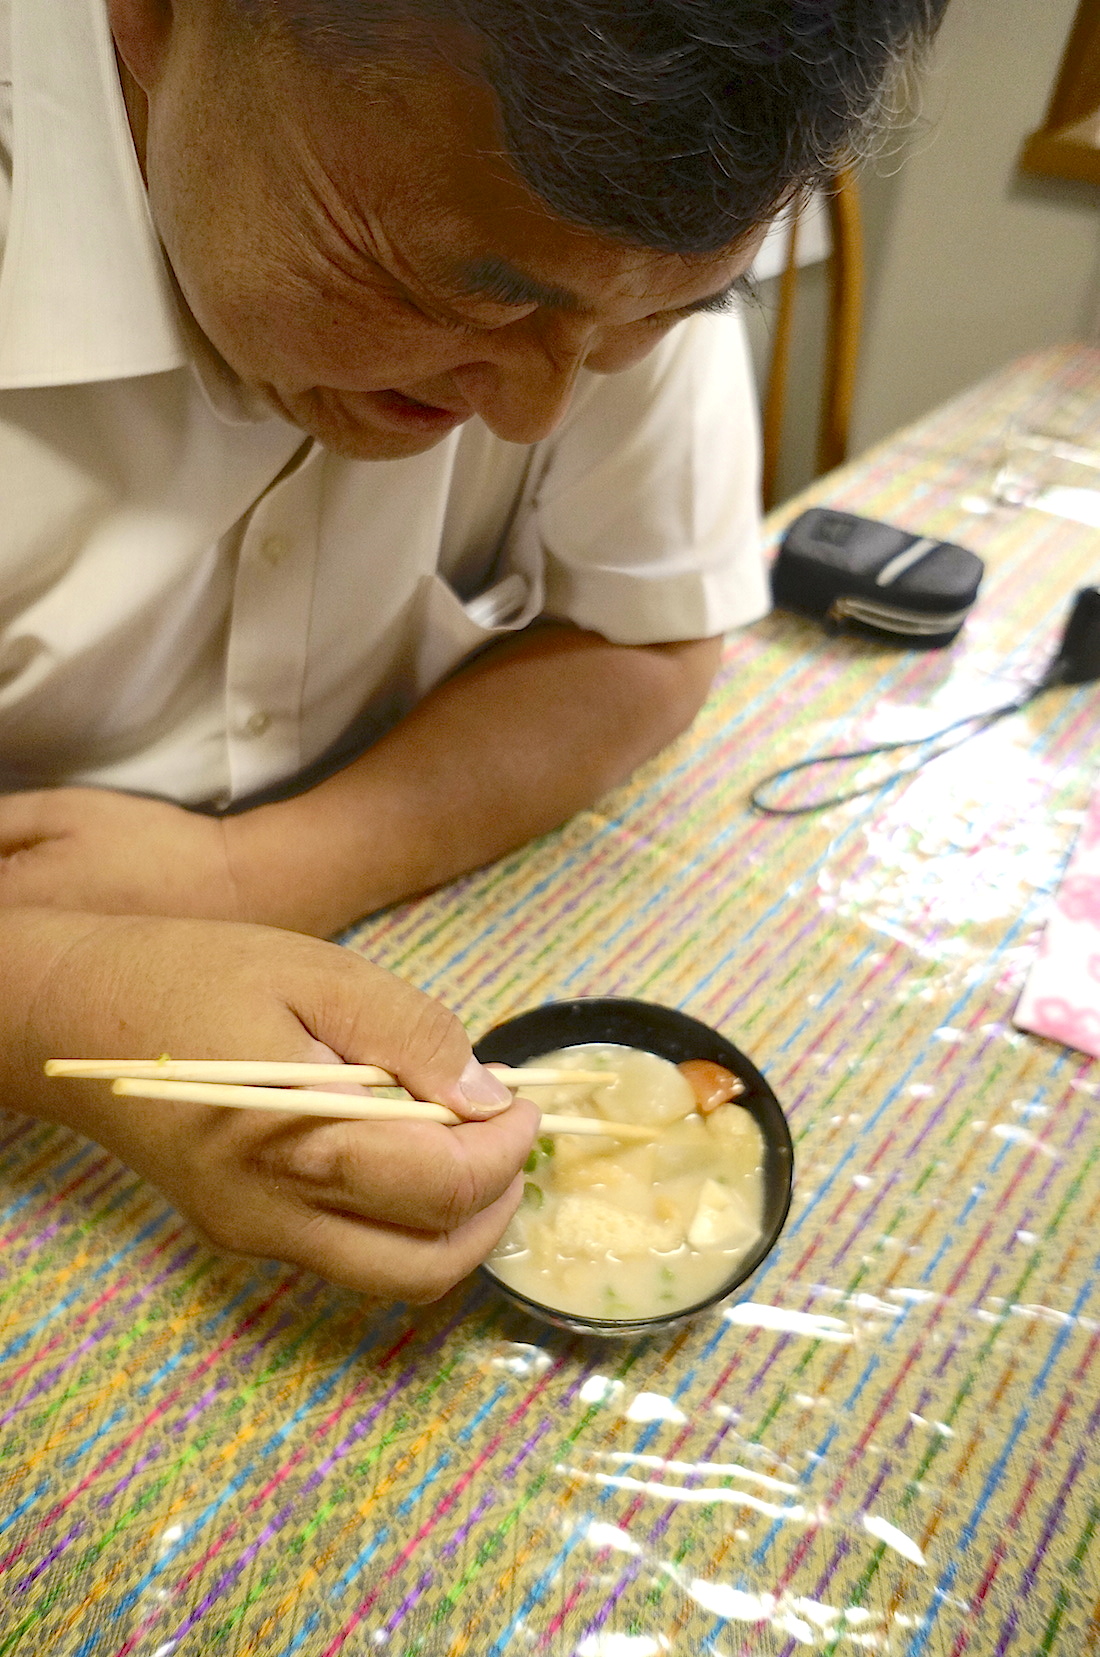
[197,600]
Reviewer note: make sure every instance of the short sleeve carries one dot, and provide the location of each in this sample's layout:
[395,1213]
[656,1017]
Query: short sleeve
[646,505]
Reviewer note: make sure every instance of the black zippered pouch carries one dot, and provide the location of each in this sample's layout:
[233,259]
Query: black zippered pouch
[844,568]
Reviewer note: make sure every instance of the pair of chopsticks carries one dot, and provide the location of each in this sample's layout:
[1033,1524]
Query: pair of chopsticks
[256,1085]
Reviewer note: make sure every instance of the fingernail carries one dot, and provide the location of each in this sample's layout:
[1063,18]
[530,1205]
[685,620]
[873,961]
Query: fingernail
[482,1089]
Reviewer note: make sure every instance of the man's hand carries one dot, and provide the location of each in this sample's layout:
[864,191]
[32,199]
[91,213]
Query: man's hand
[117,854]
[395,1210]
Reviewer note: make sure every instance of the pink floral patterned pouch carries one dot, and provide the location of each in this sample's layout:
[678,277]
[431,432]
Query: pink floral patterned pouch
[1061,998]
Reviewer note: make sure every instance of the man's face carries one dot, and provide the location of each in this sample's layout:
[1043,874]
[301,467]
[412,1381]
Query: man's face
[368,260]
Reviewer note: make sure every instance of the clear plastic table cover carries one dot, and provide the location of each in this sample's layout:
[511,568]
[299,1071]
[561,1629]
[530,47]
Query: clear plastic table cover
[886,1444]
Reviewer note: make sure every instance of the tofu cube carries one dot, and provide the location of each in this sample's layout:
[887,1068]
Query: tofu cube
[722,1219]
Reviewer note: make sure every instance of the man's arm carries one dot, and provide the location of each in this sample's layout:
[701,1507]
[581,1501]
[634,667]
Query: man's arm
[525,735]
[528,734]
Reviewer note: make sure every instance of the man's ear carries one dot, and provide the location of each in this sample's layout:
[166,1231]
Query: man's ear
[142,29]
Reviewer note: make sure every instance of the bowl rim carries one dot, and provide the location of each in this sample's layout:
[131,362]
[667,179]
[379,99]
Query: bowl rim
[778,1145]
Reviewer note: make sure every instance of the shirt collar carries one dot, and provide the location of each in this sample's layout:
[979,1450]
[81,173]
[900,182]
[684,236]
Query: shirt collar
[85,293]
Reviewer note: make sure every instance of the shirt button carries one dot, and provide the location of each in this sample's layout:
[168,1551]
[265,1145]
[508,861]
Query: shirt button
[256,723]
[274,549]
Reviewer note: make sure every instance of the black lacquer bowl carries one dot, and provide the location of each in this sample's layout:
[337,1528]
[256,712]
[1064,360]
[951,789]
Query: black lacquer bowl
[674,1036]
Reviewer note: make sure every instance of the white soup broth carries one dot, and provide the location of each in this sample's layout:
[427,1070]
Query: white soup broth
[616,1229]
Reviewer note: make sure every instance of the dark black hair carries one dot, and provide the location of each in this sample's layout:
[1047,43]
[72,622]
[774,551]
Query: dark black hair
[677,125]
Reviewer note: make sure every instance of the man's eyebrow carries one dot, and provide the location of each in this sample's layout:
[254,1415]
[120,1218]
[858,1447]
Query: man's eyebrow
[495,279]
[491,278]
[742,287]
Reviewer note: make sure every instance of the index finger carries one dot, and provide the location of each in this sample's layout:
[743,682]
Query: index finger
[415,1174]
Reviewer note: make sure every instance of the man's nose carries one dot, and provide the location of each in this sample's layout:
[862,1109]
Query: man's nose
[522,379]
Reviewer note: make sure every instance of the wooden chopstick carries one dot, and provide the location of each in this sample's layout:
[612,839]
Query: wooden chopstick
[314,1103]
[262,1073]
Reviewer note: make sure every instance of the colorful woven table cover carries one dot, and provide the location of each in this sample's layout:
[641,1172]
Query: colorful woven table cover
[887,1444]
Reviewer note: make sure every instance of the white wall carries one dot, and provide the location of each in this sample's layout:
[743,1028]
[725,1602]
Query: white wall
[969,263]
[972,264]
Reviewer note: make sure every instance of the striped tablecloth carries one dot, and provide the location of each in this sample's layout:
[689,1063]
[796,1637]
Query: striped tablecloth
[887,1445]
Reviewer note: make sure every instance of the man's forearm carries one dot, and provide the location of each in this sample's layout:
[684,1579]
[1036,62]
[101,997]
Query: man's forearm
[517,742]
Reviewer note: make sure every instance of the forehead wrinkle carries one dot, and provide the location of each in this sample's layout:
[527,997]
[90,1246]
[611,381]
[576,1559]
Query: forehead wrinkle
[493,277]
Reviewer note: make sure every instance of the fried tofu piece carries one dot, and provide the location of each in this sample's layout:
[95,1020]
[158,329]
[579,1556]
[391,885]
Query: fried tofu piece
[588,1225]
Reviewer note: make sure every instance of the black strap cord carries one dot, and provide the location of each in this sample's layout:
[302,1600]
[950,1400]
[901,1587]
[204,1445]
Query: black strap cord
[977,721]
[1077,662]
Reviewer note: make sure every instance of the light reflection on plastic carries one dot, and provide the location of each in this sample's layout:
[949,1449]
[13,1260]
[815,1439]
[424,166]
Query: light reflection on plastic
[518,1358]
[721,1469]
[752,1315]
[610,1536]
[796,1513]
[1049,1314]
[948,845]
[622,1645]
[792,1614]
[600,1389]
[894,1538]
[860,1302]
[797,1617]
[1021,1136]
[940,1427]
[650,1406]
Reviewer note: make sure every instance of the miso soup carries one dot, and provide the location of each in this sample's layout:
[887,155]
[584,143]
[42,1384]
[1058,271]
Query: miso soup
[610,1229]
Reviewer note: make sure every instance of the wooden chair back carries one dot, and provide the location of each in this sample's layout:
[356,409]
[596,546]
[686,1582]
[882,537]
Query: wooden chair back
[846,284]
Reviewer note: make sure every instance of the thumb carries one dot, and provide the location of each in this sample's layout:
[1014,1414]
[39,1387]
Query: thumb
[368,1016]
